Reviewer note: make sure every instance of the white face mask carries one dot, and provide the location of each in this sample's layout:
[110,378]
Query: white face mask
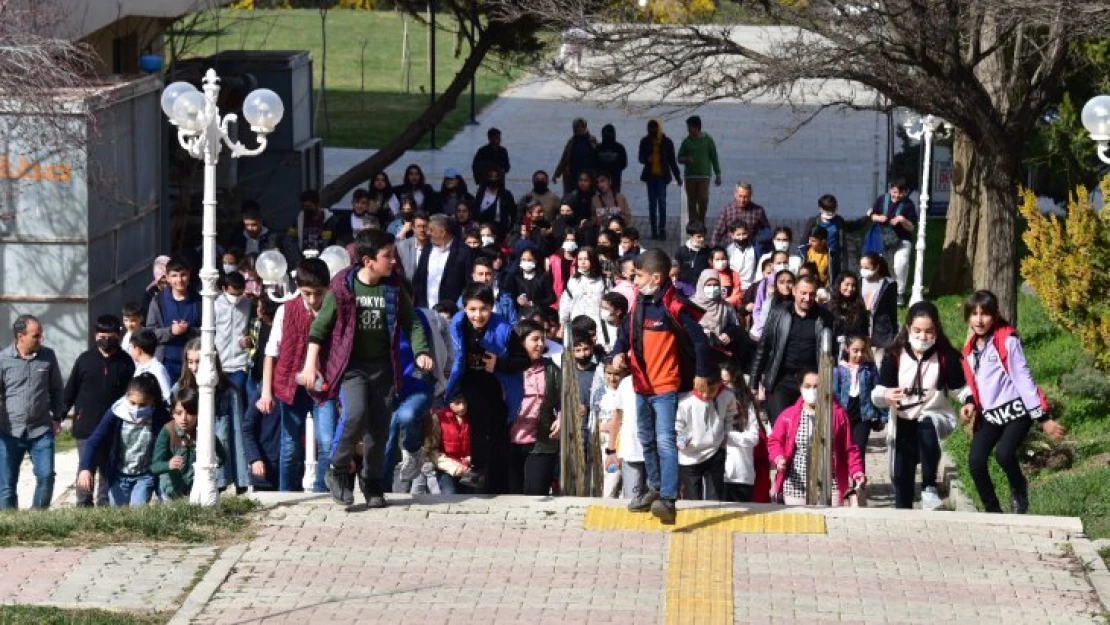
[827,216]
[569,246]
[809,396]
[711,292]
[866,274]
[695,246]
[527,266]
[782,246]
[230,269]
[720,265]
[622,250]
[487,240]
[780,267]
[649,289]
[921,345]
[608,317]
[234,299]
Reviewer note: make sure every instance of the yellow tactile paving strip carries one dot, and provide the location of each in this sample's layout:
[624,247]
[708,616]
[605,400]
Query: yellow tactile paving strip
[699,564]
[705,520]
[699,579]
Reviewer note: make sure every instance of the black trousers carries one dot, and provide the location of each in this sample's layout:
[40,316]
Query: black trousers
[704,481]
[1005,441]
[914,442]
[367,394]
[782,395]
[861,431]
[739,493]
[540,470]
[489,431]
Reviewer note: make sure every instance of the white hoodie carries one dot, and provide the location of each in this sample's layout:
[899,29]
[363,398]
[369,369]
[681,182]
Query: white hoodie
[740,447]
[700,425]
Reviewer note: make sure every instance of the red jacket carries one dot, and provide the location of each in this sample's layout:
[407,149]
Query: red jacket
[297,320]
[454,435]
[847,460]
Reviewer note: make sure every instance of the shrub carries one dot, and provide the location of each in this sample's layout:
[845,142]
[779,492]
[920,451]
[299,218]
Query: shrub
[1067,266]
[1086,382]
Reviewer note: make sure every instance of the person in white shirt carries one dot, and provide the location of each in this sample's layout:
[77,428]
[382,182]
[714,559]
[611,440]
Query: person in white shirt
[781,242]
[700,434]
[143,346]
[741,439]
[629,450]
[741,255]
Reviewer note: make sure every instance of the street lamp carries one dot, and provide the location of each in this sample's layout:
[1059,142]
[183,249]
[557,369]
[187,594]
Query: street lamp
[271,267]
[1096,119]
[923,128]
[202,132]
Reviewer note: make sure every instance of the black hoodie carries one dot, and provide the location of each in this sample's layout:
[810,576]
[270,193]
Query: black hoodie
[94,384]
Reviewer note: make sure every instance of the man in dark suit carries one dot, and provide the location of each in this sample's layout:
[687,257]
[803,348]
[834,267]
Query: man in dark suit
[441,272]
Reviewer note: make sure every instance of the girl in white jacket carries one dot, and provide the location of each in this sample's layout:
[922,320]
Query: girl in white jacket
[740,444]
[700,432]
[582,294]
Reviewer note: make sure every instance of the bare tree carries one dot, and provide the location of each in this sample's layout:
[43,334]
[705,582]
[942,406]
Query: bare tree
[42,74]
[991,67]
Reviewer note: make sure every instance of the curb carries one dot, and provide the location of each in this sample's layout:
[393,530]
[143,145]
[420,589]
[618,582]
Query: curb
[202,593]
[1093,568]
[956,499]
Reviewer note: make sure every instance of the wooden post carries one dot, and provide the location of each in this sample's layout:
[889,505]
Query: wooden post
[819,472]
[573,479]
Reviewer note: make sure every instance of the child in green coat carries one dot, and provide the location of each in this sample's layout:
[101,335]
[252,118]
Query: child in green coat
[175,451]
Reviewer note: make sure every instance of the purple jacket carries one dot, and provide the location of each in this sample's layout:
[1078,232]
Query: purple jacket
[994,386]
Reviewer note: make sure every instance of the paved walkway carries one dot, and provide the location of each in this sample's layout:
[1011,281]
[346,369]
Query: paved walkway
[840,151]
[563,560]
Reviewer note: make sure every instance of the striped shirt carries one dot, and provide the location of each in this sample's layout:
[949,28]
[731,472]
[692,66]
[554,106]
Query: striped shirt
[31,393]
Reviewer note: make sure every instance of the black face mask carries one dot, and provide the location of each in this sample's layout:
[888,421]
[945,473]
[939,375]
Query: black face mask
[539,188]
[109,344]
[585,362]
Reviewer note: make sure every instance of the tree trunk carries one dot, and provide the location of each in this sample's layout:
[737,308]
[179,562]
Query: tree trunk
[412,134]
[958,255]
[996,243]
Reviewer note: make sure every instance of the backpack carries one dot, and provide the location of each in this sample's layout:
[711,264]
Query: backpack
[998,339]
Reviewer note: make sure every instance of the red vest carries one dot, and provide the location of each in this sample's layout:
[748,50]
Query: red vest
[454,435]
[294,344]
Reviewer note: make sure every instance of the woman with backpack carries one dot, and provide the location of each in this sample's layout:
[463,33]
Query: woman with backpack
[1006,401]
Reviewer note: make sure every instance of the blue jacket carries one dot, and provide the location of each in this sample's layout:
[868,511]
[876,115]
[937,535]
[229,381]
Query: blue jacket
[868,377]
[503,306]
[495,340]
[103,442]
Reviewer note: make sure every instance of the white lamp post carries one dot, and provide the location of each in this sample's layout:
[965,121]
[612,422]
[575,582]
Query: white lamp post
[1096,119]
[271,267]
[202,132]
[923,128]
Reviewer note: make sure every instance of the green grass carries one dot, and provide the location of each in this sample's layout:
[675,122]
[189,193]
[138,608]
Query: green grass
[1105,553]
[63,442]
[42,615]
[1083,491]
[366,104]
[178,522]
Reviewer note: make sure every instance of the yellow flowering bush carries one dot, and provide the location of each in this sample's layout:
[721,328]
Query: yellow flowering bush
[1068,265]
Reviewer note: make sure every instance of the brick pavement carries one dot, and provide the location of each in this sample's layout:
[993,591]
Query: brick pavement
[120,577]
[516,559]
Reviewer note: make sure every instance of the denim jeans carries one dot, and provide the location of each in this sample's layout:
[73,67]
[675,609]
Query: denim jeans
[406,428]
[131,490]
[657,204]
[238,379]
[12,450]
[655,416]
[291,471]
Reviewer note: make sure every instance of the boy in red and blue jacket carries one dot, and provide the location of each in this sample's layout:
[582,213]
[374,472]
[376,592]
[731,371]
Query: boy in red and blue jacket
[668,354]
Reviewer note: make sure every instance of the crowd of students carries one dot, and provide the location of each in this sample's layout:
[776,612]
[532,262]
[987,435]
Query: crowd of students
[433,363]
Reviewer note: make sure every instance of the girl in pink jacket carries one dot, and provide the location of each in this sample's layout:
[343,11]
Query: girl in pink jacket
[790,441]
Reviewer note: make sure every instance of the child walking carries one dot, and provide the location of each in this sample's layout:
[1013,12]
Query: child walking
[747,473]
[853,381]
[1006,401]
[175,450]
[919,374]
[668,354]
[700,425]
[535,431]
[174,316]
[126,436]
[790,442]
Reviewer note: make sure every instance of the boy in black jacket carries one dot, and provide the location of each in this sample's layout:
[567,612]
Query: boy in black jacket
[100,376]
[692,258]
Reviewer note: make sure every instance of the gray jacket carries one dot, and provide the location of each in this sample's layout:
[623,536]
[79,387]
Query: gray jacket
[409,255]
[32,395]
[231,325]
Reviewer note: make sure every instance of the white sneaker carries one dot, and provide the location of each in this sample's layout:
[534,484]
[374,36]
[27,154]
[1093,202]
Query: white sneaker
[930,500]
[410,466]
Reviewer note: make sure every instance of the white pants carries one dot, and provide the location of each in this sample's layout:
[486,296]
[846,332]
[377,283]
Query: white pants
[899,261]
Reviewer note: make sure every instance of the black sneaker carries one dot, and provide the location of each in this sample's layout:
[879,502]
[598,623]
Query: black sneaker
[1019,502]
[643,500]
[341,486]
[473,479]
[663,509]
